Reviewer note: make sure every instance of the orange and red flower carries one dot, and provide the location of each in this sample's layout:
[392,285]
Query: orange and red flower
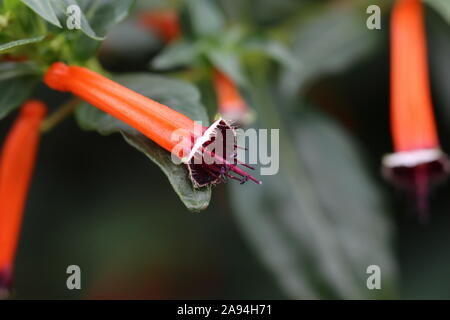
[170,129]
[16,168]
[418,159]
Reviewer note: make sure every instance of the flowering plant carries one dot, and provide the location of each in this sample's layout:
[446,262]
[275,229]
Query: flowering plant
[304,83]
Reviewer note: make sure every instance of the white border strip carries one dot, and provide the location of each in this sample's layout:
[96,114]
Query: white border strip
[411,159]
[201,141]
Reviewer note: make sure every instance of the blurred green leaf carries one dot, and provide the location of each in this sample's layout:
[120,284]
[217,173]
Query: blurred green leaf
[442,7]
[195,200]
[271,12]
[228,61]
[21,42]
[44,8]
[102,16]
[180,53]
[94,15]
[17,81]
[222,54]
[322,220]
[10,70]
[206,18]
[62,5]
[353,204]
[333,38]
[262,12]
[275,50]
[176,94]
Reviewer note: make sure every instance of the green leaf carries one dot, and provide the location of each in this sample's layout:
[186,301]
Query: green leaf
[322,220]
[205,17]
[262,12]
[329,41]
[176,94]
[44,8]
[275,50]
[102,16]
[17,81]
[180,53]
[228,61]
[61,7]
[21,42]
[442,7]
[94,15]
[54,11]
[10,70]
[195,200]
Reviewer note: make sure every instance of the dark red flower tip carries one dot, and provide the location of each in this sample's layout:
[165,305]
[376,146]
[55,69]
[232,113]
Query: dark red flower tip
[417,172]
[213,158]
[5,282]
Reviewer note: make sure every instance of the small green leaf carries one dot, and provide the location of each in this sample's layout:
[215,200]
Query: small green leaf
[55,10]
[262,12]
[329,41]
[17,81]
[275,50]
[205,17]
[10,70]
[178,54]
[228,61]
[107,14]
[21,42]
[176,94]
[61,6]
[442,7]
[102,16]
[44,8]
[98,15]
[195,200]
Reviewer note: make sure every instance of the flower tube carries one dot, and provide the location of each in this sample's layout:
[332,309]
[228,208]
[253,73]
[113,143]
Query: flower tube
[16,168]
[230,102]
[417,160]
[168,128]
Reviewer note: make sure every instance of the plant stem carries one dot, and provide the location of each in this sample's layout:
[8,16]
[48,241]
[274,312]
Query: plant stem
[59,115]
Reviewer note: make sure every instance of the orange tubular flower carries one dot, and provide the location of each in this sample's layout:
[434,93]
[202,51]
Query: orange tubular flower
[165,23]
[170,129]
[418,158]
[231,105]
[16,168]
